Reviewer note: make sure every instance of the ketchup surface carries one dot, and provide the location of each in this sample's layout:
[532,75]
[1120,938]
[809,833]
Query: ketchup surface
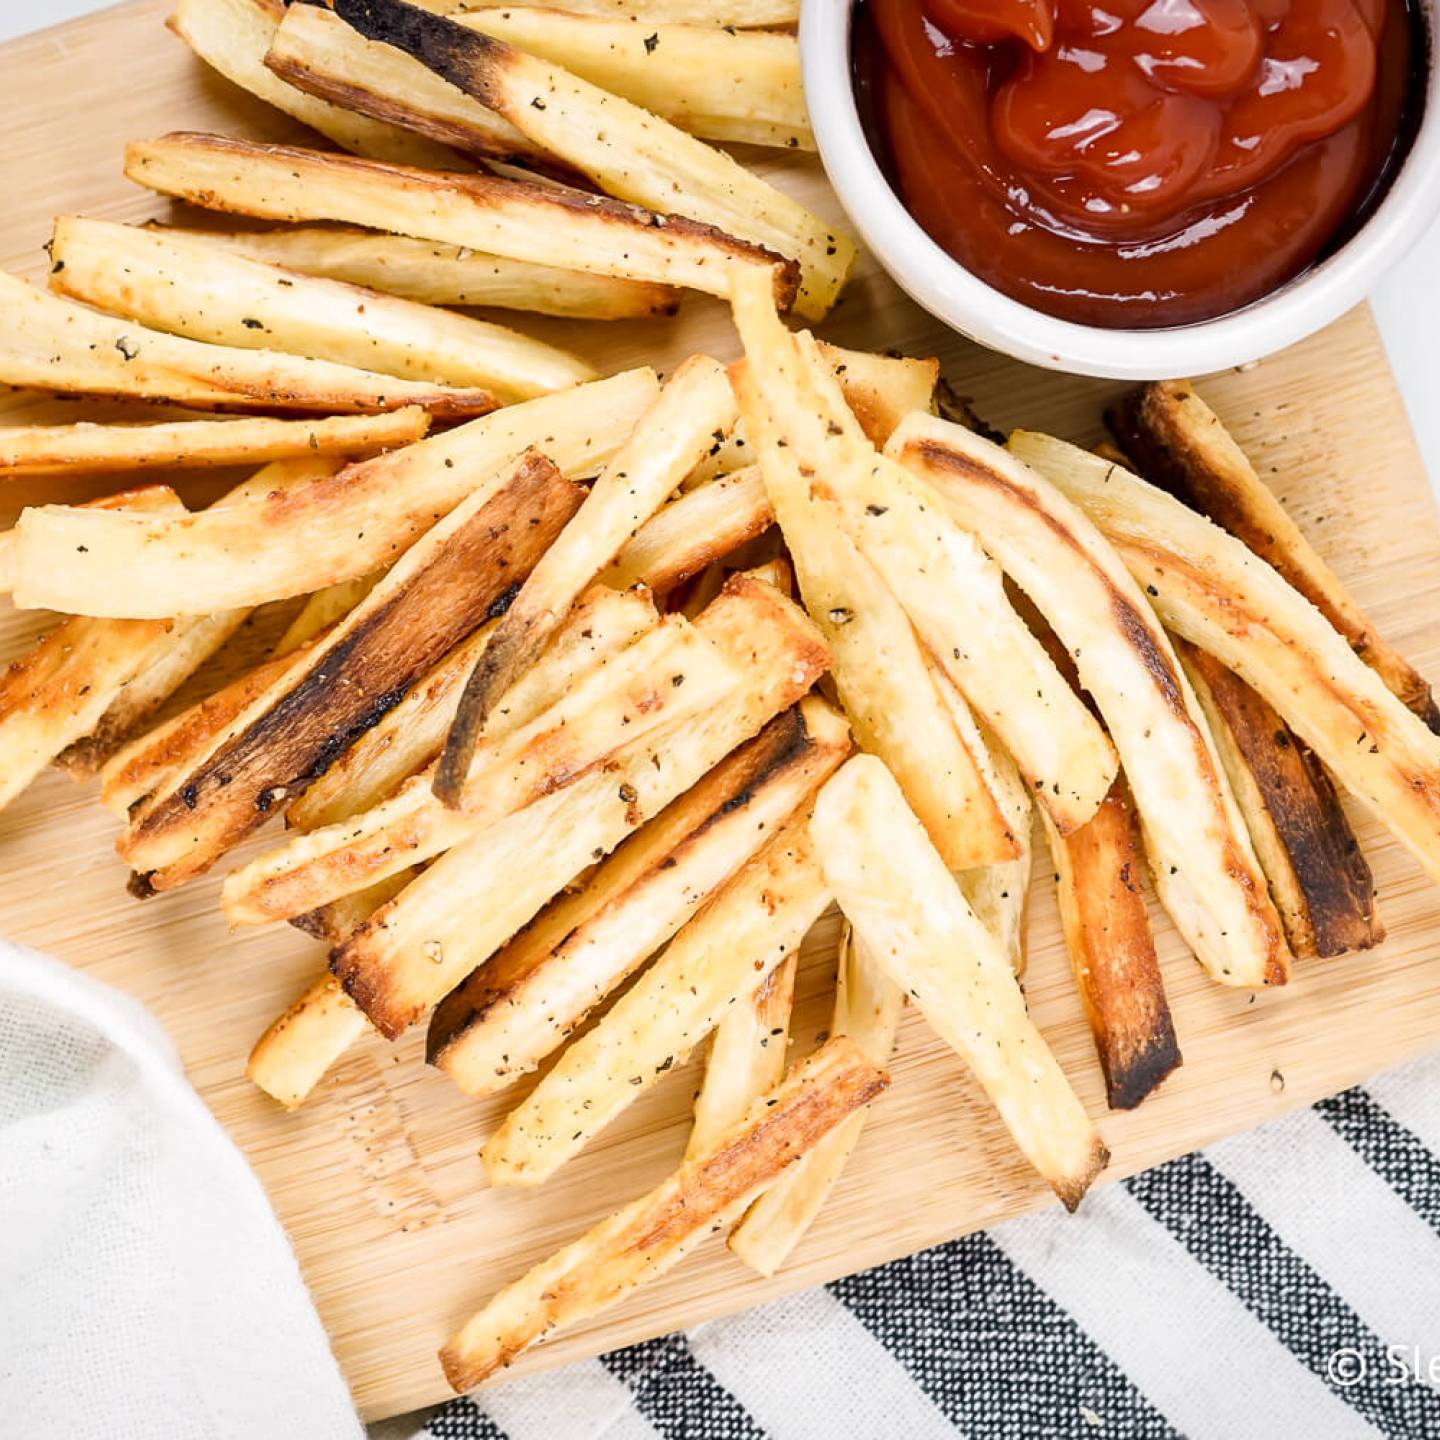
[1136,163]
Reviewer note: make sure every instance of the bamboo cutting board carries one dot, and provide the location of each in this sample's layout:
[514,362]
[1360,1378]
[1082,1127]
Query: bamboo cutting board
[377,1179]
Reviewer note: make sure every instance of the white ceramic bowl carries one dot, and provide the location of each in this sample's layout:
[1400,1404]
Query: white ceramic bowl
[945,288]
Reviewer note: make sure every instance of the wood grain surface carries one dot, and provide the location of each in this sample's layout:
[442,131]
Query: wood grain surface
[378,1179]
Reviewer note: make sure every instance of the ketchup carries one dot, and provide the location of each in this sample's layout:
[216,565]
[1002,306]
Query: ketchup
[1137,163]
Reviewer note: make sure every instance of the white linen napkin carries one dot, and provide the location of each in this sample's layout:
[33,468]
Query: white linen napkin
[146,1288]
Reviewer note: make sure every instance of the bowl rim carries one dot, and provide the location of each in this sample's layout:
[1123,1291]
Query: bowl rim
[939,283]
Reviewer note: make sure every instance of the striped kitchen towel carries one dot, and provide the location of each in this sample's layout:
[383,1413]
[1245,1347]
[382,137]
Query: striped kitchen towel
[1285,1283]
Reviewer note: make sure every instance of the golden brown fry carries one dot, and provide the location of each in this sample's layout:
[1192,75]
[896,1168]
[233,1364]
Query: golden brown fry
[746,930]
[695,404]
[336,922]
[1318,876]
[232,36]
[714,82]
[473,899]
[353,523]
[1178,442]
[1211,589]
[747,1056]
[436,274]
[881,390]
[186,287]
[439,591]
[652,1233]
[291,1056]
[521,1004]
[1112,950]
[521,219]
[867,1011]
[188,444]
[913,920]
[1204,865]
[49,344]
[693,531]
[624,150]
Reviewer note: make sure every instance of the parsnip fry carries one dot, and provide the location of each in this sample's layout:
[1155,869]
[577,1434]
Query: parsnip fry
[521,219]
[437,274]
[438,592]
[1318,876]
[154,760]
[190,444]
[649,1235]
[1210,588]
[50,344]
[742,14]
[693,531]
[614,707]
[622,148]
[353,523]
[323,609]
[473,899]
[952,591]
[668,439]
[185,287]
[913,921]
[879,665]
[867,1011]
[313,55]
[520,1005]
[1205,868]
[1112,950]
[881,390]
[291,1056]
[747,1056]
[232,36]
[746,930]
[602,624]
[1178,442]
[717,83]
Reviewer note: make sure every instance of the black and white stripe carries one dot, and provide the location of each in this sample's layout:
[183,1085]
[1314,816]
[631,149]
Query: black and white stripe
[1204,1298]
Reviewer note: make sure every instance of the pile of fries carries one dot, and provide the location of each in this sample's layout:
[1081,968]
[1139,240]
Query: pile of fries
[595,693]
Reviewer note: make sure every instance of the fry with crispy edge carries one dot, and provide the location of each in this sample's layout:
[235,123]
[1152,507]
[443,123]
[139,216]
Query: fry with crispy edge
[880,668]
[353,523]
[441,589]
[911,917]
[747,1056]
[49,344]
[746,930]
[1212,590]
[300,1045]
[625,150]
[951,589]
[741,14]
[232,37]
[190,444]
[322,609]
[1101,898]
[1319,879]
[521,1004]
[185,287]
[696,404]
[693,531]
[721,84]
[1204,866]
[665,676]
[1179,443]
[649,1235]
[436,274]
[475,897]
[867,1011]
[522,219]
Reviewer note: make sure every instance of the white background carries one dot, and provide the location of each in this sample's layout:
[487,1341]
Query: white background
[1407,304]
